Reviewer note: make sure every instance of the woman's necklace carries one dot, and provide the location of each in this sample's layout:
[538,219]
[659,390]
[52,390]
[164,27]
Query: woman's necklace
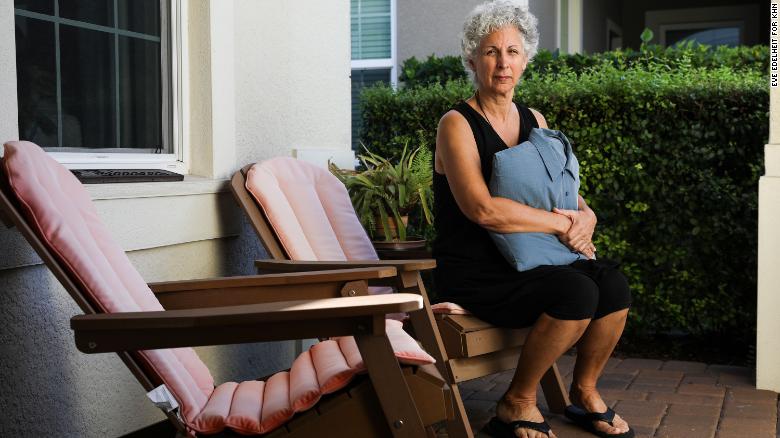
[479,103]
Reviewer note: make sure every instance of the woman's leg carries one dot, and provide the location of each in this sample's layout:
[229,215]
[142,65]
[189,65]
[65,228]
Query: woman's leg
[548,340]
[573,299]
[597,343]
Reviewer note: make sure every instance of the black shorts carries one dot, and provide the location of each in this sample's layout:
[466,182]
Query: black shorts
[585,289]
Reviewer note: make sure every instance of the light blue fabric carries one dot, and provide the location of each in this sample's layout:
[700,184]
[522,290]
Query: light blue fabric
[541,173]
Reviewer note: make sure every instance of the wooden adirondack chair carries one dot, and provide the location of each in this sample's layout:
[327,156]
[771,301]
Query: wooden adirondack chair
[290,230]
[148,326]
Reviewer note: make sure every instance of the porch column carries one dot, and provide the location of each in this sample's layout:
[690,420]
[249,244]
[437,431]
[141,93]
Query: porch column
[768,321]
[569,23]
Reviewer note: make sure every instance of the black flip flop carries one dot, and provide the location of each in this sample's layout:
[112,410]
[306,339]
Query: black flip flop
[498,429]
[585,420]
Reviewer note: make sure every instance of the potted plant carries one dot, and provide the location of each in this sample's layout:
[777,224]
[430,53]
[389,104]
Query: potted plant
[384,193]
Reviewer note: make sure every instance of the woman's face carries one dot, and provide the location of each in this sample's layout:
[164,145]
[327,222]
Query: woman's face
[500,60]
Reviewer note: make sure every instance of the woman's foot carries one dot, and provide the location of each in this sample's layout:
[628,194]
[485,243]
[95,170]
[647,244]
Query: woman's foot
[509,410]
[590,400]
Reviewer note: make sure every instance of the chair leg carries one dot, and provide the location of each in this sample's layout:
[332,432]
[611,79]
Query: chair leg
[394,396]
[554,390]
[427,333]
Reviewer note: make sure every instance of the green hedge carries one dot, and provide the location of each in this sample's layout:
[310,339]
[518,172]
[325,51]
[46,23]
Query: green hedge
[415,73]
[670,160]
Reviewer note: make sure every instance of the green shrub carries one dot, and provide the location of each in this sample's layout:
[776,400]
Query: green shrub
[416,73]
[433,70]
[670,160]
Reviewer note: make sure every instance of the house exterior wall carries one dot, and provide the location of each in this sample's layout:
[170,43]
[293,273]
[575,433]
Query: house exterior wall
[257,85]
[434,26]
[9,120]
[594,23]
[547,14]
[296,86]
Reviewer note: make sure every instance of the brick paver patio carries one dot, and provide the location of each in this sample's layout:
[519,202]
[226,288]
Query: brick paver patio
[671,399]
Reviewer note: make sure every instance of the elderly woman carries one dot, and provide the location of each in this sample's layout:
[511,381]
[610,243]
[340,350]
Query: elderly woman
[585,302]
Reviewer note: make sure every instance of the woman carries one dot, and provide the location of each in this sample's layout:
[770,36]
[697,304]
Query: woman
[583,303]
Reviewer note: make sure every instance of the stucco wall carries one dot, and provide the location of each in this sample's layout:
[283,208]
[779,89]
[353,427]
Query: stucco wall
[259,85]
[296,76]
[434,26]
[430,27]
[9,121]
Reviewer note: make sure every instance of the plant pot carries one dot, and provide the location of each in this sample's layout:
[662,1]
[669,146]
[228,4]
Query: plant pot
[379,231]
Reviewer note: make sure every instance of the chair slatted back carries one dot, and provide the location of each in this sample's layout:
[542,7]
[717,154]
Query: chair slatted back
[301,211]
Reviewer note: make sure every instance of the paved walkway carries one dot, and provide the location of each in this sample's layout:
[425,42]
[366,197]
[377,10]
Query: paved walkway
[660,399]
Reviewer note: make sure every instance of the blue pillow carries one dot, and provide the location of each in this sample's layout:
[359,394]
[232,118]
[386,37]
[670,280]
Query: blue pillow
[541,173]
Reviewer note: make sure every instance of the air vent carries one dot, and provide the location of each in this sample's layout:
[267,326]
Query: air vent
[107,176]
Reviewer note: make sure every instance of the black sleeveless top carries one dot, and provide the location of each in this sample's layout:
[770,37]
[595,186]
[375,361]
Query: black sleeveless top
[458,239]
[470,270]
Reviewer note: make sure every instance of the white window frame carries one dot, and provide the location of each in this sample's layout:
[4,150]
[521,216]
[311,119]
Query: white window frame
[384,63]
[173,47]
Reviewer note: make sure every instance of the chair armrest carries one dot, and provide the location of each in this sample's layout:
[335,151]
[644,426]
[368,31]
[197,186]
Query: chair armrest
[302,265]
[254,289]
[300,319]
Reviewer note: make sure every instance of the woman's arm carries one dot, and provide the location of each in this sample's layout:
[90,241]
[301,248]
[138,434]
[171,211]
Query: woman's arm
[457,157]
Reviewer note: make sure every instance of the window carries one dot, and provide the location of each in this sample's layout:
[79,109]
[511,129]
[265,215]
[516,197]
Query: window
[711,25]
[714,34]
[372,24]
[94,80]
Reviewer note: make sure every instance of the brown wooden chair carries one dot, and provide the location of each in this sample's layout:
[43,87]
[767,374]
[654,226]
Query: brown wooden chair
[465,347]
[148,325]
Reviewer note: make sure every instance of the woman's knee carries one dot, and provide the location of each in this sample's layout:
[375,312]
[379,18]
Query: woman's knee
[614,293]
[577,297]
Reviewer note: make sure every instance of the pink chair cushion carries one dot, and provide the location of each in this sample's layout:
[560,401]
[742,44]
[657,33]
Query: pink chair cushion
[310,211]
[406,349]
[449,309]
[61,212]
[258,407]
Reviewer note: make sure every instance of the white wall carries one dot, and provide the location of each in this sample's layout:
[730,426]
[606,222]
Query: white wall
[293,77]
[9,120]
[263,78]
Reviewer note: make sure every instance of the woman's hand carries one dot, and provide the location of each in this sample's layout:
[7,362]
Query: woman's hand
[580,234]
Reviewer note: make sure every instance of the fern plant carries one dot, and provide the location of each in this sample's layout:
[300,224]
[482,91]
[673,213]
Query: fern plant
[387,192]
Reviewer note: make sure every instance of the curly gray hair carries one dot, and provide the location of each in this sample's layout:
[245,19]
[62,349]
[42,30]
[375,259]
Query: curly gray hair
[493,15]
